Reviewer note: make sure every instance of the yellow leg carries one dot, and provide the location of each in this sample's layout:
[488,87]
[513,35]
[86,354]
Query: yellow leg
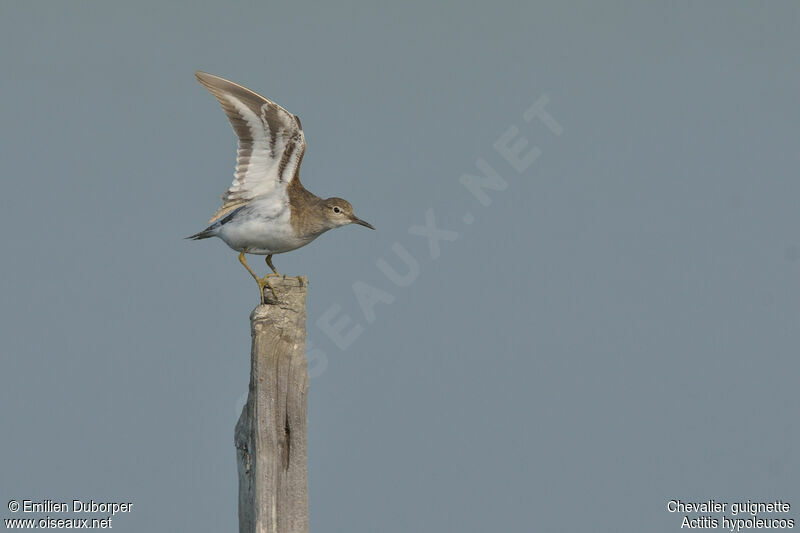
[274,273]
[243,261]
[262,282]
[269,264]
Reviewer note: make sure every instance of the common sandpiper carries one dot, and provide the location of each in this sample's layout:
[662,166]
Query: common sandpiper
[267,211]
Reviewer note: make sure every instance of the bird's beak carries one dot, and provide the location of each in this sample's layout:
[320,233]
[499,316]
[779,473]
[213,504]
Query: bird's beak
[356,220]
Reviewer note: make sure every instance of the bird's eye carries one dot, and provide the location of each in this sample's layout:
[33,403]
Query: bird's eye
[336,209]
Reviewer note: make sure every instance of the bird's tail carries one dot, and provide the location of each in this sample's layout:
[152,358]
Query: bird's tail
[205,234]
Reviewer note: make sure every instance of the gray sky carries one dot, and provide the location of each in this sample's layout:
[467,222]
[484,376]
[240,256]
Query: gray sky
[618,327]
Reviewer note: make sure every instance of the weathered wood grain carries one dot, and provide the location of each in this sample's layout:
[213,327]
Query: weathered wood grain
[270,436]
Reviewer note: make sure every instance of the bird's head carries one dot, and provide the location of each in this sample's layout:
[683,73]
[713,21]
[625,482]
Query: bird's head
[339,212]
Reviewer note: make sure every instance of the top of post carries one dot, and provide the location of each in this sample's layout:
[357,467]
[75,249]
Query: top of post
[291,296]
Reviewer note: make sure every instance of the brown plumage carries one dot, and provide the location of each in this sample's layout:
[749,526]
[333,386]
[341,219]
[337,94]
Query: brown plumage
[266,210]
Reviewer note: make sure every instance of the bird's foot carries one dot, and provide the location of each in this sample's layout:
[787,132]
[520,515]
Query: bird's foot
[264,282]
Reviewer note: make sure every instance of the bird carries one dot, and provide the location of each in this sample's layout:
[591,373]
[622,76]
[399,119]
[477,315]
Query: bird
[266,210]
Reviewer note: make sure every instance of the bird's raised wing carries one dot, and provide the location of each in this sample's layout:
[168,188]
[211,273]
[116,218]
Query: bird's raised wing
[271,143]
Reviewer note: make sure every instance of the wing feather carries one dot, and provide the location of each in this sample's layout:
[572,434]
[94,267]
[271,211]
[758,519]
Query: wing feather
[271,143]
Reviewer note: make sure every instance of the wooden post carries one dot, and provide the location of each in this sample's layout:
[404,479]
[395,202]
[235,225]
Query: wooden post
[270,436]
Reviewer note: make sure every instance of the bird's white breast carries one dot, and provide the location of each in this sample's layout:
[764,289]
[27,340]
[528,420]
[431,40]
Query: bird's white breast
[262,227]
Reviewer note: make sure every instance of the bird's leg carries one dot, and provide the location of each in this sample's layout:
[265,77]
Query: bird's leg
[262,282]
[265,279]
[270,265]
[243,261]
[269,262]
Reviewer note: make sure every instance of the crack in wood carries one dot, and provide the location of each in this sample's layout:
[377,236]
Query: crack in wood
[270,436]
